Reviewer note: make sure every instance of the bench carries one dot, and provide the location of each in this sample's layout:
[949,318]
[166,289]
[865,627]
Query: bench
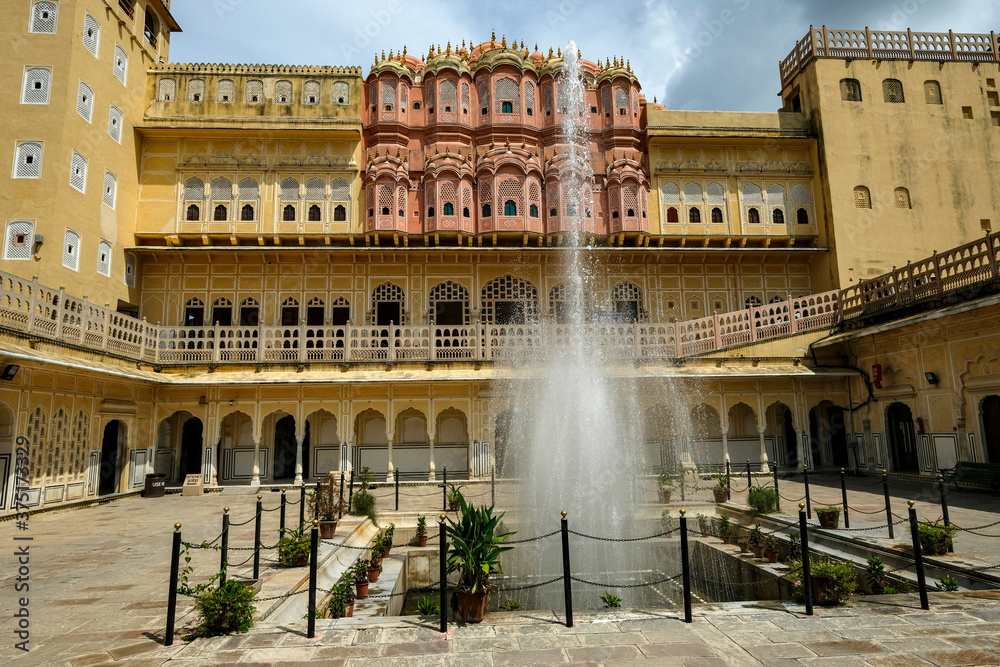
[972,472]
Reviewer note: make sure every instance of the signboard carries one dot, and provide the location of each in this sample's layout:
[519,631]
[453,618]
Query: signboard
[194,485]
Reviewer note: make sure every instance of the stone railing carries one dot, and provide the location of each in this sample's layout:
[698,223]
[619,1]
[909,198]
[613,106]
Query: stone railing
[889,45]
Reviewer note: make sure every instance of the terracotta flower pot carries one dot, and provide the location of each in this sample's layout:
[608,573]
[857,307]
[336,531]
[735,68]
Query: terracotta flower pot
[327,529]
[821,591]
[664,495]
[350,610]
[706,531]
[758,550]
[771,555]
[422,541]
[472,606]
[720,496]
[829,519]
[727,538]
[361,589]
[385,553]
[373,573]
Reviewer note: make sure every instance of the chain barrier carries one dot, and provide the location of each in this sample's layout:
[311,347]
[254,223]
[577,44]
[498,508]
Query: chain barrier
[289,503]
[642,585]
[988,525]
[234,525]
[791,500]
[532,539]
[281,597]
[877,527]
[394,546]
[621,539]
[972,532]
[273,509]
[430,588]
[733,583]
[987,567]
[530,586]
[203,545]
[249,558]
[880,510]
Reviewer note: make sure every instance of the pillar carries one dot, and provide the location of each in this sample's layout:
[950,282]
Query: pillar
[298,459]
[804,450]
[255,481]
[763,449]
[390,476]
[431,476]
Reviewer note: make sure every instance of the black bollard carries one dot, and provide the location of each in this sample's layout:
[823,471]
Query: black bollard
[944,509]
[397,488]
[749,478]
[443,573]
[683,475]
[843,494]
[256,539]
[918,557]
[888,508]
[806,574]
[493,486]
[729,483]
[340,512]
[567,586]
[805,478]
[685,567]
[175,559]
[224,547]
[777,496]
[319,490]
[350,492]
[302,505]
[281,514]
[313,552]
[444,489]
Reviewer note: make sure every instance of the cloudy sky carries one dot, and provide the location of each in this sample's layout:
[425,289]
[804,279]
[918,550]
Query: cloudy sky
[709,54]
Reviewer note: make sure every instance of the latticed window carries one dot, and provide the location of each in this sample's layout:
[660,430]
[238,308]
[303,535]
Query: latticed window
[862,197]
[91,34]
[509,192]
[507,91]
[71,250]
[315,190]
[289,190]
[630,200]
[166,90]
[341,92]
[120,64]
[196,90]
[43,17]
[466,202]
[445,299]
[621,100]
[85,101]
[78,172]
[401,201]
[449,195]
[752,195]
[606,100]
[370,199]
[509,300]
[80,438]
[485,191]
[28,160]
[310,92]
[529,97]
[547,99]
[892,91]
[222,195]
[249,197]
[484,95]
[19,239]
[283,92]
[373,93]
[385,200]
[225,91]
[670,193]
[388,95]
[194,189]
[115,124]
[626,291]
[429,200]
[932,92]
[902,197]
[389,293]
[776,202]
[35,431]
[466,97]
[449,95]
[431,93]
[850,90]
[801,199]
[693,194]
[635,102]
[37,84]
[104,258]
[130,270]
[340,190]
[55,453]
[404,96]
[254,91]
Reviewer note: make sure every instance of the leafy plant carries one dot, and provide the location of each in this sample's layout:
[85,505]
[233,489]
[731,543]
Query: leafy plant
[763,499]
[842,581]
[875,573]
[891,590]
[935,538]
[184,587]
[360,571]
[421,526]
[666,520]
[610,600]
[428,607]
[703,521]
[324,503]
[725,525]
[454,496]
[511,605]
[387,536]
[226,609]
[375,562]
[756,536]
[828,510]
[721,483]
[475,547]
[668,477]
[770,542]
[794,545]
[293,546]
[947,583]
[341,597]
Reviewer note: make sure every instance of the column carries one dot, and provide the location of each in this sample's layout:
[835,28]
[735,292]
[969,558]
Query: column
[255,481]
[390,476]
[804,452]
[298,458]
[763,449]
[431,477]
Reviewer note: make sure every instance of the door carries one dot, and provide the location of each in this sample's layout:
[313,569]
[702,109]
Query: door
[838,437]
[388,312]
[990,409]
[191,448]
[902,439]
[109,459]
[284,448]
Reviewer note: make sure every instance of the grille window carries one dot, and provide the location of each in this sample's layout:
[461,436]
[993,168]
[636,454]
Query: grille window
[91,34]
[862,197]
[28,160]
[37,83]
[104,258]
[341,93]
[120,64]
[194,189]
[110,189]
[283,92]
[225,91]
[311,93]
[507,92]
[289,190]
[167,91]
[43,17]
[19,239]
[130,270]
[71,250]
[115,124]
[902,197]
[850,90]
[932,92]
[85,101]
[255,91]
[78,172]
[196,90]
[892,91]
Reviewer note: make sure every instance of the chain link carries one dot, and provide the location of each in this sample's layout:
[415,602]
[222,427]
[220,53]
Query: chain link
[878,527]
[733,583]
[253,518]
[249,558]
[642,585]
[988,525]
[855,509]
[792,500]
[623,539]
[531,539]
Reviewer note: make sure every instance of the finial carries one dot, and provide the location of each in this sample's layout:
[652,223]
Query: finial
[616,61]
[225,510]
[439,49]
[260,497]
[463,43]
[599,64]
[404,49]
[442,518]
[315,523]
[683,511]
[550,52]
[506,143]
[559,52]
[536,46]
[390,54]
[910,503]
[503,41]
[513,45]
[383,55]
[628,65]
[654,99]
[397,152]
[177,526]
[802,506]
[522,145]
[493,39]
[563,514]
[430,52]
[449,48]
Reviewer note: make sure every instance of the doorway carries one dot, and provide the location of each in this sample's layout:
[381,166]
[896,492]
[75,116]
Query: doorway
[284,448]
[110,455]
[191,448]
[388,313]
[990,411]
[902,439]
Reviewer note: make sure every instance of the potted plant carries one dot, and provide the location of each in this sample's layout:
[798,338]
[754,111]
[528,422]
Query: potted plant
[721,488]
[666,520]
[324,504]
[935,538]
[422,531]
[363,503]
[374,567]
[378,547]
[428,607]
[360,572]
[744,544]
[763,499]
[665,482]
[756,541]
[794,545]
[833,582]
[875,574]
[725,529]
[226,609]
[829,517]
[704,525]
[293,548]
[454,496]
[476,545]
[771,548]
[341,601]
[387,539]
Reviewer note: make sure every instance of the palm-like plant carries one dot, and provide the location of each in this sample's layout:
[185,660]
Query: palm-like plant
[476,546]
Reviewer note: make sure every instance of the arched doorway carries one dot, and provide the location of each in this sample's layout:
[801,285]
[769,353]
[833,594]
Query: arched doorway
[372,448]
[110,457]
[828,436]
[502,432]
[660,437]
[706,435]
[743,438]
[989,409]
[284,448]
[7,459]
[192,450]
[902,440]
[781,429]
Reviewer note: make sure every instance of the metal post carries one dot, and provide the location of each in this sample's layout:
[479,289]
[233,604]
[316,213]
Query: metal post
[918,557]
[340,513]
[567,586]
[443,571]
[319,490]
[175,559]
[444,491]
[256,539]
[313,550]
[224,547]
[729,482]
[777,496]
[805,477]
[944,509]
[350,492]
[683,475]
[493,485]
[302,505]
[397,488]
[843,494]
[685,567]
[281,514]
[749,479]
[806,574]
[888,508]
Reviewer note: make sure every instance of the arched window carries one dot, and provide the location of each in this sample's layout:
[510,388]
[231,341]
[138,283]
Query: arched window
[283,92]
[246,213]
[84,101]
[289,190]
[310,92]
[115,124]
[752,301]
[196,90]
[778,216]
[194,189]
[672,215]
[315,213]
[193,212]
[104,258]
[91,34]
[194,312]
[430,212]
[753,216]
[110,189]
[151,27]
[533,210]
[507,107]
[802,216]
[19,240]
[902,197]
[892,91]
[288,213]
[254,92]
[717,215]
[862,197]
[508,96]
[28,160]
[487,211]
[385,210]
[221,213]
[341,92]
[850,90]
[694,215]
[510,207]
[449,208]
[43,17]
[932,92]
[339,213]
[166,90]
[37,84]
[71,250]
[120,64]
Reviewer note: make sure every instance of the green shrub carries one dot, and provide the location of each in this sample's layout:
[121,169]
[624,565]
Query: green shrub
[794,545]
[610,600]
[875,573]
[226,609]
[293,546]
[511,605]
[935,538]
[947,583]
[763,499]
[843,581]
[827,510]
[428,607]
[341,596]
[364,505]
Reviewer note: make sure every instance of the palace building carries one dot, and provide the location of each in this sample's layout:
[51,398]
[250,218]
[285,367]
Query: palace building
[262,273]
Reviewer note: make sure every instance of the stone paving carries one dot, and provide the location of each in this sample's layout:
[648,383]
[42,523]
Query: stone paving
[99,579]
